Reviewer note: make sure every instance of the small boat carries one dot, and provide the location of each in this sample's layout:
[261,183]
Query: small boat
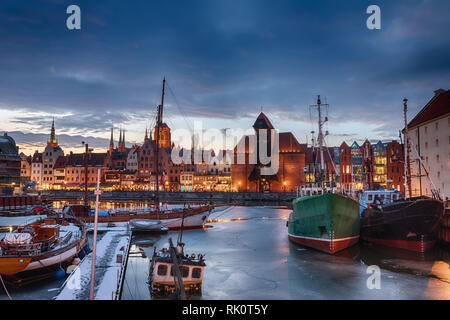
[148,225]
[172,272]
[41,246]
[411,224]
[194,217]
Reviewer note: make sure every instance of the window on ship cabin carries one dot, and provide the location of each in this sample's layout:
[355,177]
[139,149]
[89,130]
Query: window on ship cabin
[196,273]
[162,270]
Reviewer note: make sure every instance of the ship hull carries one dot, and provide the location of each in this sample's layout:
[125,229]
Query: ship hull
[328,222]
[411,225]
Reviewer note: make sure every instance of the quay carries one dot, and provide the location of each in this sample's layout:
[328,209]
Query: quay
[219,197]
[111,262]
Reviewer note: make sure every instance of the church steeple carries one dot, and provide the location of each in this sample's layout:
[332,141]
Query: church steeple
[119,146]
[52,141]
[123,141]
[111,141]
[146,135]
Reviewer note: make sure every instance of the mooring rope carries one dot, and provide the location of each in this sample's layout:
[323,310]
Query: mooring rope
[4,287]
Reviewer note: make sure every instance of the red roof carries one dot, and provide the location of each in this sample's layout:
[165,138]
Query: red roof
[438,106]
[262,122]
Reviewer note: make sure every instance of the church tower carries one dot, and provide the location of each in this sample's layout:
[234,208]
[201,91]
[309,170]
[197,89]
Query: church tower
[52,141]
[111,141]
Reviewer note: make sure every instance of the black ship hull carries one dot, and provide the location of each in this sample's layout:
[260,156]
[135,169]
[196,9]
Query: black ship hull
[411,225]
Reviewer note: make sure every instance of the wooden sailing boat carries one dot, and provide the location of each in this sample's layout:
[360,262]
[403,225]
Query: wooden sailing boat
[194,217]
[35,250]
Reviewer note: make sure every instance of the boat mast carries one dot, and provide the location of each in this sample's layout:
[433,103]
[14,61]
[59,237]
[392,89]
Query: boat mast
[157,128]
[406,159]
[97,193]
[320,139]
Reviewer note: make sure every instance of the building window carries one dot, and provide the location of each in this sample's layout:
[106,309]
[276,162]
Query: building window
[437,125]
[437,158]
[426,129]
[437,142]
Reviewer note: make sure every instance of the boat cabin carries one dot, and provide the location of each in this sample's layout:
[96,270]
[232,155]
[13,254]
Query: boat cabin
[31,239]
[385,196]
[191,269]
[306,191]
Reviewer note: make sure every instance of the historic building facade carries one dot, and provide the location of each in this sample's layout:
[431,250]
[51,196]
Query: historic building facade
[395,166]
[51,153]
[291,161]
[346,167]
[429,136]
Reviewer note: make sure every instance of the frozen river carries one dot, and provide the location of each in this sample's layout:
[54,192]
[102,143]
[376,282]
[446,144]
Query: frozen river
[249,256]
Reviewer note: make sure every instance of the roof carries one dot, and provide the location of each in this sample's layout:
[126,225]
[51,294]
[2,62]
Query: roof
[288,143]
[8,145]
[37,157]
[60,162]
[262,122]
[77,159]
[438,106]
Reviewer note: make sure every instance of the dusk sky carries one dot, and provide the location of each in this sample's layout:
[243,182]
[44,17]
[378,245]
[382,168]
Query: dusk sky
[223,61]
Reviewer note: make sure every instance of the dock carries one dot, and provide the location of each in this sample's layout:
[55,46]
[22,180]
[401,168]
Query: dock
[111,261]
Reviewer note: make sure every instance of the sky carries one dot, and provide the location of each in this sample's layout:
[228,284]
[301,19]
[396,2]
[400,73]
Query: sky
[224,62]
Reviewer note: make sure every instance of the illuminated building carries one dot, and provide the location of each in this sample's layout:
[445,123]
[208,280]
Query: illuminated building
[246,176]
[429,136]
[51,153]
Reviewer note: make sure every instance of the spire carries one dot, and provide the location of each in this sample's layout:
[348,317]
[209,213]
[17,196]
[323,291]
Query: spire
[123,141]
[119,146]
[146,134]
[52,141]
[111,141]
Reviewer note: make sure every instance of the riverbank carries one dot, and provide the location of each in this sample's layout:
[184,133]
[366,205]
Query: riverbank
[239,198]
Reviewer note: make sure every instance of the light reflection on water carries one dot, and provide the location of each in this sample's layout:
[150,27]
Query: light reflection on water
[248,256]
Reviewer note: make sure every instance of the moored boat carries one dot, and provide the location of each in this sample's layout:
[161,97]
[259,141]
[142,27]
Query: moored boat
[328,222]
[412,224]
[148,225]
[322,218]
[40,247]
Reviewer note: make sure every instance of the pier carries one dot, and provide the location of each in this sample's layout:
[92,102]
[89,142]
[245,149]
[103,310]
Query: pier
[111,261]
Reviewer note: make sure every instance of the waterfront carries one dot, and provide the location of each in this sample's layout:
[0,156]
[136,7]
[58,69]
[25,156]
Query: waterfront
[248,256]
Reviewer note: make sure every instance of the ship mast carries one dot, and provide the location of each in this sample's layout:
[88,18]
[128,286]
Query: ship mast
[157,128]
[407,166]
[320,138]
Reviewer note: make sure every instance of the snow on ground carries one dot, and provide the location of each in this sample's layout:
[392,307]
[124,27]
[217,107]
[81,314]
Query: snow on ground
[108,273]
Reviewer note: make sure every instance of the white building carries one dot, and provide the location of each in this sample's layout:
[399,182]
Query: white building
[36,169]
[132,159]
[429,136]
